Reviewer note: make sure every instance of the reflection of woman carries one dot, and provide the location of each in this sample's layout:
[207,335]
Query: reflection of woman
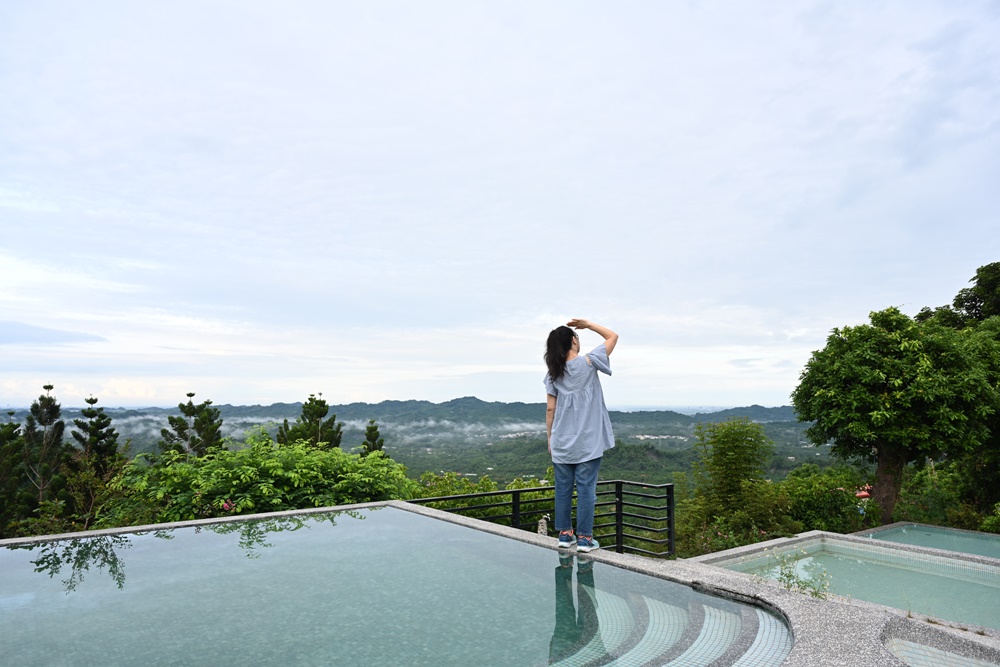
[578,426]
[575,628]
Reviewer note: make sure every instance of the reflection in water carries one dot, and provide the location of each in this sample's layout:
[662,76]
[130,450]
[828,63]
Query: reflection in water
[80,555]
[253,534]
[102,553]
[576,624]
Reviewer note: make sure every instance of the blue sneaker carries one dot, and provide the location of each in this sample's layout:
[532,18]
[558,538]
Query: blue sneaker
[585,544]
[566,539]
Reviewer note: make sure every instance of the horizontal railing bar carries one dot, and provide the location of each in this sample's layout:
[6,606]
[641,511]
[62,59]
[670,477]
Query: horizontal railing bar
[644,516]
[654,531]
[642,484]
[645,507]
[651,540]
[643,495]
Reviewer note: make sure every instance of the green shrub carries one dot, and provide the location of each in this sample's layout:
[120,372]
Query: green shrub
[991,524]
[825,499]
[263,477]
[933,494]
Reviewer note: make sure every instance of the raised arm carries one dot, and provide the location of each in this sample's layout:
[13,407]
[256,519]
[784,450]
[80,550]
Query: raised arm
[610,337]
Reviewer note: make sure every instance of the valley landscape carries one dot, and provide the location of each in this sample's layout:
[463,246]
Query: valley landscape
[476,438]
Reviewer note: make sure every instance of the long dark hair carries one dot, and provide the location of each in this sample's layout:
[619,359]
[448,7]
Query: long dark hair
[556,348]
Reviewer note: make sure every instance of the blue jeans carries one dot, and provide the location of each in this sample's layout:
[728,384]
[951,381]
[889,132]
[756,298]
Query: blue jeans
[584,477]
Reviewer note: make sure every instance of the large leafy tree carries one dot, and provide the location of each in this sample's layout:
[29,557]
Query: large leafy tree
[897,391]
[196,430]
[312,427]
[978,307]
[972,304]
[43,449]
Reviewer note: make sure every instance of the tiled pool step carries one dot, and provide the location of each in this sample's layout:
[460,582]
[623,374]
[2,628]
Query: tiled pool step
[921,655]
[615,623]
[646,632]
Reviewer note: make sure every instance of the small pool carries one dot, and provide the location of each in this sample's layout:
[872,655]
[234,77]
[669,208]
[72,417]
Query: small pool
[945,588]
[375,586]
[935,537]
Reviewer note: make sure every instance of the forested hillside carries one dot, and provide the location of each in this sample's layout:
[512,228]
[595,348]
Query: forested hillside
[473,437]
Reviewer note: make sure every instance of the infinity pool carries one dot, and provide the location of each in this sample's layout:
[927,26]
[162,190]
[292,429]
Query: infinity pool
[377,586]
[935,537]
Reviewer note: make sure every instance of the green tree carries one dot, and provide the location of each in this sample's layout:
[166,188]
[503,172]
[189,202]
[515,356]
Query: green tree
[972,304]
[11,464]
[90,469]
[733,456]
[373,441]
[98,439]
[43,448]
[897,391]
[312,427]
[978,470]
[195,431]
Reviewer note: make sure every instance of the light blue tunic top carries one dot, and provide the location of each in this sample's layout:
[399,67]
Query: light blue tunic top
[581,427]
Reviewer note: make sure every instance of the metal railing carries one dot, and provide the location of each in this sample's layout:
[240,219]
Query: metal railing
[631,517]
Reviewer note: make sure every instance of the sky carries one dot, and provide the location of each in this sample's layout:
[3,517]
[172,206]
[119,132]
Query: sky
[257,200]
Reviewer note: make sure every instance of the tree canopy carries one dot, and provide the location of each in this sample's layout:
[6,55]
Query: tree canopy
[896,391]
[195,431]
[311,426]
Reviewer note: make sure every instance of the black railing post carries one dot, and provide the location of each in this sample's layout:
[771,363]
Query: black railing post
[515,512]
[619,518]
[670,520]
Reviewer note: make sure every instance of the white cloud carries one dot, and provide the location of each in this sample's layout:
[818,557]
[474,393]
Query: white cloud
[399,201]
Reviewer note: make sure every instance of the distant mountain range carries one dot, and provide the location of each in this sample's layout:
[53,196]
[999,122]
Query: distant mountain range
[466,420]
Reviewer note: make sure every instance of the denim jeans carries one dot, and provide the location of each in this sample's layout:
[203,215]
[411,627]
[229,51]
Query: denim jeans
[584,476]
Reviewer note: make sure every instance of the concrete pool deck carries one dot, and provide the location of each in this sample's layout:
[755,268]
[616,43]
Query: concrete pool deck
[827,633]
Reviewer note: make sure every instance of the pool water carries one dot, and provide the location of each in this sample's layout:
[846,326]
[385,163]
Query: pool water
[380,586]
[934,537]
[944,588]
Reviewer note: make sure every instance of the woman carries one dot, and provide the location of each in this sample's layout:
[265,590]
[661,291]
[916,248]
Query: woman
[578,426]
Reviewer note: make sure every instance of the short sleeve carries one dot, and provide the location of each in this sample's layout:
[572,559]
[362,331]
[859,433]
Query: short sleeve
[550,388]
[599,358]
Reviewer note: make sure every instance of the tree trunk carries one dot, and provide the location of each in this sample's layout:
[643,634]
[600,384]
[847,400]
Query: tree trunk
[890,461]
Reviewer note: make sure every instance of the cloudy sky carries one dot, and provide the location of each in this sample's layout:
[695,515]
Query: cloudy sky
[259,200]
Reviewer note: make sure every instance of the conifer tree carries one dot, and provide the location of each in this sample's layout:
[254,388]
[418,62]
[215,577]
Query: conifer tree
[10,478]
[97,437]
[43,448]
[311,427]
[195,431]
[373,442]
